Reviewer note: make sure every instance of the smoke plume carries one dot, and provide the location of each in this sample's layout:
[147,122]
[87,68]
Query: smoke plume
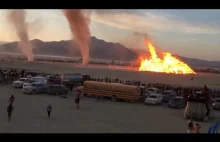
[79,26]
[18,19]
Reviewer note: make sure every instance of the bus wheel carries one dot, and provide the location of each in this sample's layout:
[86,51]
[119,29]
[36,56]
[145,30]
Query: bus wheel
[114,98]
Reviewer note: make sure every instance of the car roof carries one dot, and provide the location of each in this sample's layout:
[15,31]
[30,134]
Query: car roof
[24,78]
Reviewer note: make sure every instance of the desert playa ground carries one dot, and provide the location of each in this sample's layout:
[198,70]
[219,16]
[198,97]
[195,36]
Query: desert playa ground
[101,117]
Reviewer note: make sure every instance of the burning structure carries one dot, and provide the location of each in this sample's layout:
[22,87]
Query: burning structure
[166,64]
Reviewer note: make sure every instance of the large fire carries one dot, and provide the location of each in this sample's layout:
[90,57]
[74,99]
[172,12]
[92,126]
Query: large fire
[169,63]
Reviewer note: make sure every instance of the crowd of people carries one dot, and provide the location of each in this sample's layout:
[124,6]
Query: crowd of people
[180,90]
[10,75]
[7,76]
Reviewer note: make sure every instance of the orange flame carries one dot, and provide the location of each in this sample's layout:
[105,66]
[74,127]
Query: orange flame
[168,64]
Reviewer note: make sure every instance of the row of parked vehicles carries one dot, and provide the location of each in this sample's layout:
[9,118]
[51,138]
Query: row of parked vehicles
[39,84]
[51,84]
[155,97]
[151,96]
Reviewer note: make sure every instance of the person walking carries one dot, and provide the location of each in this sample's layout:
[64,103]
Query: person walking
[9,110]
[49,109]
[11,99]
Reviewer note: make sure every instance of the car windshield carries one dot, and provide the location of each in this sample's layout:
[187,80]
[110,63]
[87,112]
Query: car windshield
[218,101]
[152,96]
[22,79]
[176,99]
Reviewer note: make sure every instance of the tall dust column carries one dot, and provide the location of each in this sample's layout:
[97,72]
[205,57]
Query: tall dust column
[79,27]
[17,19]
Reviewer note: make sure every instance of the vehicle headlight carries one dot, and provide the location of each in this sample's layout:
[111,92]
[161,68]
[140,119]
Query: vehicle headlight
[213,104]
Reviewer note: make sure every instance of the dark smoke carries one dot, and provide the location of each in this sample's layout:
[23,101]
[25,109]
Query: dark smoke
[17,19]
[79,26]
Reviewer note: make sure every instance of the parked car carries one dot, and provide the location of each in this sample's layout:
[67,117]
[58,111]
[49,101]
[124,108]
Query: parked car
[153,90]
[36,79]
[19,83]
[216,104]
[36,87]
[168,95]
[57,89]
[177,102]
[154,99]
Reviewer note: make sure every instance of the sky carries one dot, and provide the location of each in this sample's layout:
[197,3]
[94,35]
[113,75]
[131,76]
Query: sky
[189,33]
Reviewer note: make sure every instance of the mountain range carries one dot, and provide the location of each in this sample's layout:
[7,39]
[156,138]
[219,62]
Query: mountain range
[99,49]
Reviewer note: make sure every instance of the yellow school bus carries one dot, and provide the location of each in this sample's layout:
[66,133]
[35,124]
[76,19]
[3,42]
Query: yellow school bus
[112,90]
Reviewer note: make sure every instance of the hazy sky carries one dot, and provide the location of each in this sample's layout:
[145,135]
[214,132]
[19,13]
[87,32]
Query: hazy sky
[190,33]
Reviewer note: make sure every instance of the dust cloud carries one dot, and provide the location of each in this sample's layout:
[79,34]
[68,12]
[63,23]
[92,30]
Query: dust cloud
[18,19]
[79,26]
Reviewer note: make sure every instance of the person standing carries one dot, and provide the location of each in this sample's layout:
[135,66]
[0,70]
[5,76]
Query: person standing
[197,128]
[9,110]
[190,126]
[77,98]
[49,109]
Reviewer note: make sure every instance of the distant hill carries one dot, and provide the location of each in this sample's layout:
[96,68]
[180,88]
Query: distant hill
[99,49]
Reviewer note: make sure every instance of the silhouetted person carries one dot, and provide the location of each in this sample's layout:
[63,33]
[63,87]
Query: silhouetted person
[49,109]
[205,90]
[9,110]
[71,86]
[207,99]
[77,99]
